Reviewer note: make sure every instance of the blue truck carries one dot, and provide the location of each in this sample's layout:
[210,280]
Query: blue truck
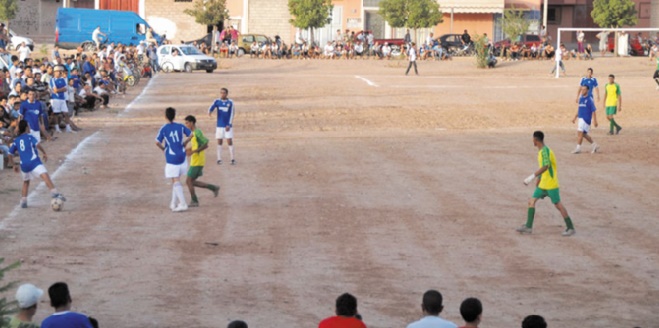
[74,27]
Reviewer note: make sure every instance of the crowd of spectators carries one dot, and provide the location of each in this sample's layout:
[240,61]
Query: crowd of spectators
[64,86]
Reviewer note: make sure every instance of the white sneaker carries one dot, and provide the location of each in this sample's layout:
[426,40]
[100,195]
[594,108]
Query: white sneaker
[69,130]
[576,150]
[596,147]
[568,232]
[57,129]
[172,205]
[181,208]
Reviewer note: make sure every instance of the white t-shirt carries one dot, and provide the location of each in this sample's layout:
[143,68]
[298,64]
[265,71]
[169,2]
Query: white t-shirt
[23,53]
[412,54]
[96,33]
[432,322]
[100,91]
[581,37]
[559,55]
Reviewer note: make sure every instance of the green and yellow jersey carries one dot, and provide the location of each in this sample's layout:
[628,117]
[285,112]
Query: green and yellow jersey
[612,93]
[548,179]
[198,140]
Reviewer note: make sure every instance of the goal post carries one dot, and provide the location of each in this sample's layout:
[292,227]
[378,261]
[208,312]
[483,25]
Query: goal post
[599,29]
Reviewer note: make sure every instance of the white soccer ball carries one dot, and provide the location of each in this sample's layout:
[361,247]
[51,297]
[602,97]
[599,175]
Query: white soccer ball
[57,204]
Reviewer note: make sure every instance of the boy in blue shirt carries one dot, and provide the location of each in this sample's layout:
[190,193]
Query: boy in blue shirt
[224,130]
[31,166]
[172,139]
[585,114]
[60,299]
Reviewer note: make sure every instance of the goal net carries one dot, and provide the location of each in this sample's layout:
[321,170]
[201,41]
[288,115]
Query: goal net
[613,31]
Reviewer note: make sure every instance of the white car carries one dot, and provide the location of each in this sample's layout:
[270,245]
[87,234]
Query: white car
[16,41]
[185,58]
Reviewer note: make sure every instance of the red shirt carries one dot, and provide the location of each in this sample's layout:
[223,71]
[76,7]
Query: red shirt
[341,322]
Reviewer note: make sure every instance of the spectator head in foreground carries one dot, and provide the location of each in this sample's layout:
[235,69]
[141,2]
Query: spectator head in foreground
[471,310]
[346,314]
[237,324]
[346,305]
[27,297]
[432,306]
[534,321]
[60,298]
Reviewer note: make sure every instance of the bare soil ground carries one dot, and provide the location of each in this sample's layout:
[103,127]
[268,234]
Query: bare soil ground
[352,177]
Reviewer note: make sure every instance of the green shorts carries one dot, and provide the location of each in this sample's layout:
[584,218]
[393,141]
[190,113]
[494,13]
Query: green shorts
[195,172]
[611,110]
[553,194]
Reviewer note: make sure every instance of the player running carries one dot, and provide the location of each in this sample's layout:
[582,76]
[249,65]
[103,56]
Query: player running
[591,83]
[585,114]
[546,185]
[612,103]
[172,139]
[224,130]
[198,143]
[27,147]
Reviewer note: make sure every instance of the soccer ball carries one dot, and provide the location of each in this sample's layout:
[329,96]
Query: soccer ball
[57,204]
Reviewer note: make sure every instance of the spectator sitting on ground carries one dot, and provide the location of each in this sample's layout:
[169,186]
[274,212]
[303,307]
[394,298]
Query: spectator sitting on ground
[534,321]
[233,49]
[386,51]
[89,99]
[471,310]
[254,50]
[102,91]
[329,50]
[237,324]
[60,299]
[514,51]
[589,52]
[432,307]
[27,297]
[346,314]
[549,52]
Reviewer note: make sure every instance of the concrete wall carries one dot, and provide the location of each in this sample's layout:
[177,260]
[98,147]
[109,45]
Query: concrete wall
[270,17]
[474,23]
[167,16]
[36,19]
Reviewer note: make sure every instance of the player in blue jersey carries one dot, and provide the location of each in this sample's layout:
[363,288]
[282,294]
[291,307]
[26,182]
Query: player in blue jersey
[58,89]
[224,130]
[591,83]
[586,115]
[172,139]
[31,166]
[32,112]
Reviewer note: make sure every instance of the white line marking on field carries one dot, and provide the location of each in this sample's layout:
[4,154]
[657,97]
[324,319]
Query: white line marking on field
[367,81]
[453,86]
[130,106]
[65,165]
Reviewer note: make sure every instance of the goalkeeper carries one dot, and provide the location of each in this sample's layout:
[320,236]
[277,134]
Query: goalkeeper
[546,185]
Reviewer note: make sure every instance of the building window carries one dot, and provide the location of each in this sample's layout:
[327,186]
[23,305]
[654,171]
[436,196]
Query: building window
[554,15]
[372,3]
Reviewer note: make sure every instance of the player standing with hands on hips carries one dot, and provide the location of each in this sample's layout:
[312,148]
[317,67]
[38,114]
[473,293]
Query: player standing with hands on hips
[546,185]
[224,130]
[172,139]
[585,115]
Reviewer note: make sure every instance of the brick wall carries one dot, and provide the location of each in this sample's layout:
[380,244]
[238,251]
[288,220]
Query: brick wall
[36,19]
[270,17]
[167,16]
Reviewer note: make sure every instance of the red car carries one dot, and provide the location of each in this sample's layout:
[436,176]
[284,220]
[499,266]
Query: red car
[635,47]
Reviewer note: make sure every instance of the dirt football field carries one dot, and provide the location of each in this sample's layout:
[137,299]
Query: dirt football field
[352,177]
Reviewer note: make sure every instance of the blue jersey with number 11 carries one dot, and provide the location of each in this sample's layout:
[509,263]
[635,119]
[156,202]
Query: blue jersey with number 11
[173,134]
[26,145]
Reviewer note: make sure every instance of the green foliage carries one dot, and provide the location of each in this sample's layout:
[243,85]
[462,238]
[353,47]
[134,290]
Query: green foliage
[614,13]
[8,9]
[480,45]
[208,12]
[514,23]
[411,13]
[310,13]
[6,308]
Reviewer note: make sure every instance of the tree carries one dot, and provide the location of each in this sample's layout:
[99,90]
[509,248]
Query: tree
[310,14]
[6,307]
[482,50]
[414,14]
[208,12]
[8,9]
[514,23]
[614,13]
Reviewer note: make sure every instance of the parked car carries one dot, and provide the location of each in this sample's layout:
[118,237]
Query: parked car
[74,27]
[207,39]
[452,43]
[245,42]
[635,47]
[187,59]
[15,41]
[527,40]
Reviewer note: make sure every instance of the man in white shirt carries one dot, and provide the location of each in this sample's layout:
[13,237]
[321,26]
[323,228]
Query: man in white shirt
[432,307]
[559,59]
[386,50]
[329,50]
[23,52]
[411,55]
[96,37]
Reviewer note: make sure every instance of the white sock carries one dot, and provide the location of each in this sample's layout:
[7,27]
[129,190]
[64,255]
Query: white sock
[219,152]
[178,189]
[231,151]
[174,194]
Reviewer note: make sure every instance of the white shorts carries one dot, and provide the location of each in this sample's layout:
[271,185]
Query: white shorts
[59,106]
[35,173]
[176,171]
[36,135]
[582,126]
[221,133]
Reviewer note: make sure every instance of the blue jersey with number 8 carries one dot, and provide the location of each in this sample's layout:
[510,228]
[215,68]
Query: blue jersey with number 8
[26,145]
[173,134]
